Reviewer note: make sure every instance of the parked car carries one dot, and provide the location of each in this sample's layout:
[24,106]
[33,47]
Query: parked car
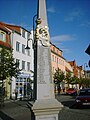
[71,91]
[83,98]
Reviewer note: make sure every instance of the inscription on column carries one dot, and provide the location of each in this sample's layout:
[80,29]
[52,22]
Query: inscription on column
[43,65]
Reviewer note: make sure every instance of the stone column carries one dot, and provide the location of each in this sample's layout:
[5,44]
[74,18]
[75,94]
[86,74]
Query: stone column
[46,107]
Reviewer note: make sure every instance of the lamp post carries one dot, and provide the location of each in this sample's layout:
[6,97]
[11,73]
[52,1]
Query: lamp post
[85,65]
[27,47]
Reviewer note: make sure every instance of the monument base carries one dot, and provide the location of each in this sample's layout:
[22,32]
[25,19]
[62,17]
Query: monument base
[46,109]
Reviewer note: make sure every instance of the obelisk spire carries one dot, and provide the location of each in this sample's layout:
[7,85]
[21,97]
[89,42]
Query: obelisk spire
[41,12]
[42,66]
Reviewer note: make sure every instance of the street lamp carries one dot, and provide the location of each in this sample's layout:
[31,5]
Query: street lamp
[85,65]
[27,47]
[33,25]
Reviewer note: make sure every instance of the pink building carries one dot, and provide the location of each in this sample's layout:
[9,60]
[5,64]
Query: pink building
[56,58]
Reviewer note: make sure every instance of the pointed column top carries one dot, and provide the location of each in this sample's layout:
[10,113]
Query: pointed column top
[41,12]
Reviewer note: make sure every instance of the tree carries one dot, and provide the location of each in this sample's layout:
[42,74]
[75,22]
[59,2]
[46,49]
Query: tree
[8,67]
[58,78]
[84,82]
[68,78]
[71,79]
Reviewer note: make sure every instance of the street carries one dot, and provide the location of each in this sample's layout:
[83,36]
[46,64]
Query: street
[18,110]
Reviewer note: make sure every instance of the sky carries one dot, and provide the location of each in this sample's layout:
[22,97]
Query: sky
[68,21]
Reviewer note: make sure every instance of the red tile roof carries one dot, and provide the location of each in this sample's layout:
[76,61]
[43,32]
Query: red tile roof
[12,27]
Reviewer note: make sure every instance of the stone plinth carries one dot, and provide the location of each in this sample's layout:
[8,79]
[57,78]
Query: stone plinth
[46,109]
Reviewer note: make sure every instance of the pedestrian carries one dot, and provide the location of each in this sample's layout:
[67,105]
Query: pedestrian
[16,92]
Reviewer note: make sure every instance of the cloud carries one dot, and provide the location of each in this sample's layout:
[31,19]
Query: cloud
[51,9]
[66,50]
[85,24]
[74,15]
[61,38]
[58,41]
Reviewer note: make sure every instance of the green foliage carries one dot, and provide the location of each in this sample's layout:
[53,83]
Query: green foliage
[58,76]
[68,77]
[84,82]
[71,80]
[74,80]
[8,67]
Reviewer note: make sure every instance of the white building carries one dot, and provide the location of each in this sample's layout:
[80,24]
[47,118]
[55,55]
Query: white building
[23,57]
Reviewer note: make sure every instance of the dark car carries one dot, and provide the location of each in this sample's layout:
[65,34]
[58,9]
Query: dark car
[71,91]
[83,98]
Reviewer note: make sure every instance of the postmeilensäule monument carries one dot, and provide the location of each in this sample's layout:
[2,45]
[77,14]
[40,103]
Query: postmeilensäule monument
[46,107]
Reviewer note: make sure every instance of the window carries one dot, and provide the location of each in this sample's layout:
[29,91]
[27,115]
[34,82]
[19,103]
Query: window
[55,58]
[28,66]
[23,49]
[23,33]
[53,69]
[17,62]
[2,36]
[52,57]
[59,61]
[54,49]
[23,65]
[17,46]
[28,52]
[28,35]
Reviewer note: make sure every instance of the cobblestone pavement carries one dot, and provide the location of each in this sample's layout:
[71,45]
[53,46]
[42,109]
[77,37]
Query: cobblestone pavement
[19,111]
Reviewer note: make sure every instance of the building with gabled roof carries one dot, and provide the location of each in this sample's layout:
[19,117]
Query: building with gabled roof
[18,37]
[74,67]
[58,61]
[5,39]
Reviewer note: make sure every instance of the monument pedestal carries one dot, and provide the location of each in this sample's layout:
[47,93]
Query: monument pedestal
[46,109]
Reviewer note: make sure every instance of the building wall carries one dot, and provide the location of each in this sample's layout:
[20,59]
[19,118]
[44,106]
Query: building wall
[5,41]
[87,74]
[19,55]
[57,60]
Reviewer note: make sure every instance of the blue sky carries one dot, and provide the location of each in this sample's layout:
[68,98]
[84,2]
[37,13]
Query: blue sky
[68,21]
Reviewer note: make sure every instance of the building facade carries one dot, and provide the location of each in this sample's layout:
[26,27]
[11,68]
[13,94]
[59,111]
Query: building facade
[5,41]
[19,37]
[57,59]
[87,74]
